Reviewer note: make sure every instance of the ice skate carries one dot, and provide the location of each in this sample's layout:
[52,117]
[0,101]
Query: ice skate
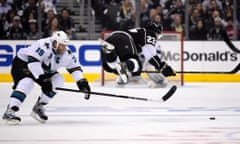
[136,80]
[9,116]
[106,46]
[123,77]
[157,80]
[38,112]
[119,82]
[162,84]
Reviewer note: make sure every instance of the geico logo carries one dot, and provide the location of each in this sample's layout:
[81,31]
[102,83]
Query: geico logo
[88,55]
[200,56]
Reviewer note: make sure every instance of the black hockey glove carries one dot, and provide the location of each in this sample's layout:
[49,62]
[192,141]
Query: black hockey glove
[167,71]
[84,86]
[46,85]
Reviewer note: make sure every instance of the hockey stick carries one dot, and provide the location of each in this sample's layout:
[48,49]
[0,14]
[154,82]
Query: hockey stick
[231,45]
[165,97]
[236,50]
[233,71]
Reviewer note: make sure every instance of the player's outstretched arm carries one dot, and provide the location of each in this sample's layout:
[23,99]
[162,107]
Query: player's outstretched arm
[162,66]
[84,86]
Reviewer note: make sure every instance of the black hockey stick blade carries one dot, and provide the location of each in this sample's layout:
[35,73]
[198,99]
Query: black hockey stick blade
[165,97]
[233,71]
[171,91]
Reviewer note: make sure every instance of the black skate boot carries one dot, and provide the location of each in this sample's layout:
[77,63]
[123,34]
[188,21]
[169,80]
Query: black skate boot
[9,116]
[106,46]
[38,112]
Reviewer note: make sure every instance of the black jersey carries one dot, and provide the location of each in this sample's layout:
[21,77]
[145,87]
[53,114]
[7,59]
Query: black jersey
[142,36]
[129,43]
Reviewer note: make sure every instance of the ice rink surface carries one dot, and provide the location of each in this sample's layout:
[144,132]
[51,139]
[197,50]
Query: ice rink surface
[183,119]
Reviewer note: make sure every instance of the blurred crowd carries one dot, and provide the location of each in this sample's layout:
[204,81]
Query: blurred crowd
[34,19]
[204,16]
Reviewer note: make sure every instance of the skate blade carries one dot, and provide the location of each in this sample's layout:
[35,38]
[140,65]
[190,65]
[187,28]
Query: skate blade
[35,116]
[152,84]
[86,97]
[119,85]
[11,122]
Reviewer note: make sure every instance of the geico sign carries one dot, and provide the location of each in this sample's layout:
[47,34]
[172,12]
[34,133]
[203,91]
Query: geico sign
[200,56]
[7,53]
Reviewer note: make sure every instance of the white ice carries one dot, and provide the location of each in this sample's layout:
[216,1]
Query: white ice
[183,119]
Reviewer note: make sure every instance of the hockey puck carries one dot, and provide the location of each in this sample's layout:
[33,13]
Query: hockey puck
[212,118]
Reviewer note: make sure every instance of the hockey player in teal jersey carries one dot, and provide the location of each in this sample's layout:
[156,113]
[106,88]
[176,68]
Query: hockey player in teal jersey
[38,63]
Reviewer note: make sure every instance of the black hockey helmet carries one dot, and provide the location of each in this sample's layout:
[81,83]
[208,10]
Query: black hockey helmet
[155,27]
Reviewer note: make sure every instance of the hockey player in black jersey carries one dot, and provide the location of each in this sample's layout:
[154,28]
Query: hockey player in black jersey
[123,51]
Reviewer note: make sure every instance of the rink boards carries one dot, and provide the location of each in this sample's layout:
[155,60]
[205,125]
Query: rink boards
[197,56]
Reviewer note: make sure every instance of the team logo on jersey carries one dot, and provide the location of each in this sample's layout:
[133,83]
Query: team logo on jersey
[57,59]
[50,56]
[47,45]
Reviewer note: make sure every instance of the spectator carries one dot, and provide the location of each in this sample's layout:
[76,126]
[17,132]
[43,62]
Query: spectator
[230,28]
[193,4]
[66,23]
[18,5]
[4,7]
[195,15]
[211,20]
[219,33]
[47,5]
[200,9]
[112,16]
[52,27]
[199,32]
[152,13]
[3,26]
[169,4]
[177,24]
[228,13]
[157,19]
[226,4]
[32,33]
[177,9]
[207,17]
[215,6]
[26,24]
[150,16]
[156,3]
[159,10]
[46,22]
[15,31]
[10,16]
[30,9]
[207,3]
[127,15]
[144,17]
[98,6]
